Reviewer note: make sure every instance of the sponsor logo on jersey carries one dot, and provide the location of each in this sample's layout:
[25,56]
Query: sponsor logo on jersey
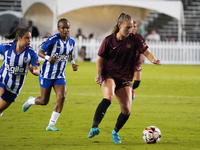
[15,69]
[61,57]
[128,46]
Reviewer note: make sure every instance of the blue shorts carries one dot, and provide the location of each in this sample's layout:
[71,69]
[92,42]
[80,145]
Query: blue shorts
[7,95]
[48,83]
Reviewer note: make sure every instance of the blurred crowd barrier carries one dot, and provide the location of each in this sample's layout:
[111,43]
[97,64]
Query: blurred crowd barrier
[167,52]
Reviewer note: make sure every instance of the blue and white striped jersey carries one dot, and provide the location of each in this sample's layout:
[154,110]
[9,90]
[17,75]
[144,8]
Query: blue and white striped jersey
[14,68]
[58,49]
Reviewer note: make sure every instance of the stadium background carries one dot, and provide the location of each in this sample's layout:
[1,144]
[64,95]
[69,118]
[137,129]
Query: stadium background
[174,19]
[166,16]
[168,96]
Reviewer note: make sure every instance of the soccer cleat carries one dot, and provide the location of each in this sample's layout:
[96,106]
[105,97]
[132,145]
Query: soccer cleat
[51,128]
[115,137]
[93,132]
[133,94]
[26,106]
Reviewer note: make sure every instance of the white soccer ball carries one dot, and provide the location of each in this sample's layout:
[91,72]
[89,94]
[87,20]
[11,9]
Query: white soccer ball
[151,135]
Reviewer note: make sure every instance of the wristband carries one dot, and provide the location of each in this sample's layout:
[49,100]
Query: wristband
[47,57]
[72,62]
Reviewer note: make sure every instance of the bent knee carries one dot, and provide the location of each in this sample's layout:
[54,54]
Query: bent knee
[109,97]
[61,98]
[44,101]
[126,111]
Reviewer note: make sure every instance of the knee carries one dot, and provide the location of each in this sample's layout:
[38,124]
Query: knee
[109,97]
[126,110]
[44,101]
[61,98]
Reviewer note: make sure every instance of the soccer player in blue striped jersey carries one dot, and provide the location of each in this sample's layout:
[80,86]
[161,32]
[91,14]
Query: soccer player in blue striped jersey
[56,51]
[18,55]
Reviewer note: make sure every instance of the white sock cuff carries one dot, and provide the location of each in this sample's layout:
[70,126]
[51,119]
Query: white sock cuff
[56,113]
[31,101]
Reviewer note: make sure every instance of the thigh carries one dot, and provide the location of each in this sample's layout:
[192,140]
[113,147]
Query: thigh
[60,91]
[108,88]
[124,97]
[45,94]
[3,105]
[60,87]
[2,89]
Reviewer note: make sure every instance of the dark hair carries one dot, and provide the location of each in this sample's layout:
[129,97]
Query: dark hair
[17,32]
[120,20]
[61,20]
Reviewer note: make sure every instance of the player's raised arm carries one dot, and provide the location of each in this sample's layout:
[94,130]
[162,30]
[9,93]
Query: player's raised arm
[151,57]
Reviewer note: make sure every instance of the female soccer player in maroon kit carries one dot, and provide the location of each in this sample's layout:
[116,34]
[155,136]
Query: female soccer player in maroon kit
[115,70]
[138,62]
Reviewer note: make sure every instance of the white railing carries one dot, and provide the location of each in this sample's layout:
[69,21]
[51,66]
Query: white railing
[167,52]
[176,52]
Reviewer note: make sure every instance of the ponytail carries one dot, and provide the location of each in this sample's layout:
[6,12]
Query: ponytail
[116,29]
[120,20]
[18,32]
[11,36]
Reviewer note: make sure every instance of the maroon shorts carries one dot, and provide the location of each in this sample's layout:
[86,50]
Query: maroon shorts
[118,82]
[137,69]
[138,65]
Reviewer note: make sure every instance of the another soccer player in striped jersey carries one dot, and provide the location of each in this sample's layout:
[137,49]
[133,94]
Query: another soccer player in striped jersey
[18,55]
[115,70]
[56,51]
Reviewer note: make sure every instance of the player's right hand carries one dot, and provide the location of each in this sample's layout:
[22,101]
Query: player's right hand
[52,60]
[98,79]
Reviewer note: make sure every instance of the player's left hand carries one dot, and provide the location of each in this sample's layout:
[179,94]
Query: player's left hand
[30,68]
[156,62]
[75,67]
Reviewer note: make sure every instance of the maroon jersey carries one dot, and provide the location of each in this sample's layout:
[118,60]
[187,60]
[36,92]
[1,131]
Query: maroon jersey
[138,59]
[120,55]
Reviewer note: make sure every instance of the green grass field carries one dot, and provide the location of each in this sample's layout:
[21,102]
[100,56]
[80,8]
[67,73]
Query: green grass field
[168,97]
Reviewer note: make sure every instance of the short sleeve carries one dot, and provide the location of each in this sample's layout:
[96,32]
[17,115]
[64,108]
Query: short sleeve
[142,46]
[47,45]
[72,44]
[4,47]
[34,59]
[102,49]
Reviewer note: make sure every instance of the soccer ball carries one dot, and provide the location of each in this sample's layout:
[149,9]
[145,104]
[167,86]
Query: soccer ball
[151,135]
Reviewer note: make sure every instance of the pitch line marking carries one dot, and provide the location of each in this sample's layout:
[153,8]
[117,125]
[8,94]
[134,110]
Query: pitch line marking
[83,94]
